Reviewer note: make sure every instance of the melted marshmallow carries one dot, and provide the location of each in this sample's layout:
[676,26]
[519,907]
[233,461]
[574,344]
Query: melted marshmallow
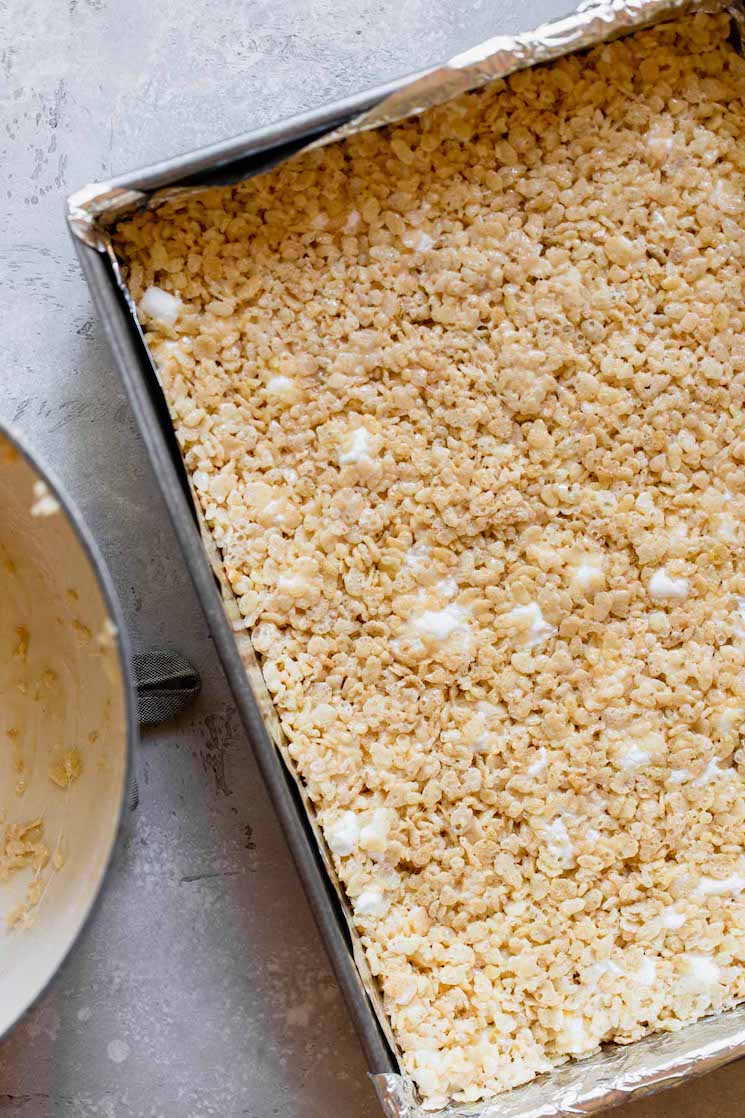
[607,966]
[699,973]
[371,902]
[679,776]
[647,972]
[659,143]
[416,555]
[282,386]
[429,1067]
[714,887]
[538,629]
[343,835]
[730,719]
[634,757]
[661,585]
[295,585]
[725,197]
[157,303]
[559,844]
[726,527]
[276,510]
[574,1036]
[374,834]
[357,446]
[588,575]
[712,772]
[672,919]
[439,624]
[169,348]
[539,765]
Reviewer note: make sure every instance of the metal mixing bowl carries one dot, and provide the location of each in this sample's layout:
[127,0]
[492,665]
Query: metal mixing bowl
[66,696]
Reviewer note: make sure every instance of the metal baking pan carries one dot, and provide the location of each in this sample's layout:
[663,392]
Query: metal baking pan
[616,1073]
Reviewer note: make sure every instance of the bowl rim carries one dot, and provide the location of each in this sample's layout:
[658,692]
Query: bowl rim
[124,659]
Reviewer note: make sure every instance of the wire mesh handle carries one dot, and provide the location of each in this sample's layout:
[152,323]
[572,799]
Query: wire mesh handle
[166,684]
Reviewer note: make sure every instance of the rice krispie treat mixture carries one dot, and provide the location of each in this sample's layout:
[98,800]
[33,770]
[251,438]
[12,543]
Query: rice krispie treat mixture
[462,404]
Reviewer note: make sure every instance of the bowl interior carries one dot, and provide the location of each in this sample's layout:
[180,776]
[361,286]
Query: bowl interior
[63,734]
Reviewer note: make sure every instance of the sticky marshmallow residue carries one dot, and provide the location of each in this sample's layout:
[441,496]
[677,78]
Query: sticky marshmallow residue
[607,966]
[575,1036]
[531,621]
[439,624]
[371,902]
[356,446]
[726,527]
[539,765]
[679,776]
[647,972]
[634,758]
[720,887]
[698,973]
[168,349]
[374,834]
[588,575]
[281,386]
[159,304]
[672,920]
[662,586]
[295,585]
[416,555]
[343,835]
[276,510]
[558,842]
[712,772]
[730,719]
[428,1069]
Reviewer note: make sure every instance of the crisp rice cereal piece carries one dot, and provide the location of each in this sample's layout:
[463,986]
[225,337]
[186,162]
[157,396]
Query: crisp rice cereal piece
[462,403]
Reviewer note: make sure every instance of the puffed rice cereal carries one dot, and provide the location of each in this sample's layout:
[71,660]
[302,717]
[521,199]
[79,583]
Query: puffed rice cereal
[462,403]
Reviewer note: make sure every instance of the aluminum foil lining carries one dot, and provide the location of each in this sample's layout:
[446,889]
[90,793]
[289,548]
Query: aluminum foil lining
[616,1073]
[92,210]
[613,1076]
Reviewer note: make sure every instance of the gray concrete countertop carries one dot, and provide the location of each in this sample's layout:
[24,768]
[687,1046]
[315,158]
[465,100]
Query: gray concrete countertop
[202,988]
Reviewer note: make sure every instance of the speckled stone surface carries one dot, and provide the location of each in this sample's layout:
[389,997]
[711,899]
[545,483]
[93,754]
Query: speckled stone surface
[202,988]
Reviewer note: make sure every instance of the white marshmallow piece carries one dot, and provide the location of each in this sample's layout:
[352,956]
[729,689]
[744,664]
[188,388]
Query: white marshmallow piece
[343,835]
[160,305]
[371,902]
[699,974]
[439,624]
[356,446]
[663,587]
[531,619]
